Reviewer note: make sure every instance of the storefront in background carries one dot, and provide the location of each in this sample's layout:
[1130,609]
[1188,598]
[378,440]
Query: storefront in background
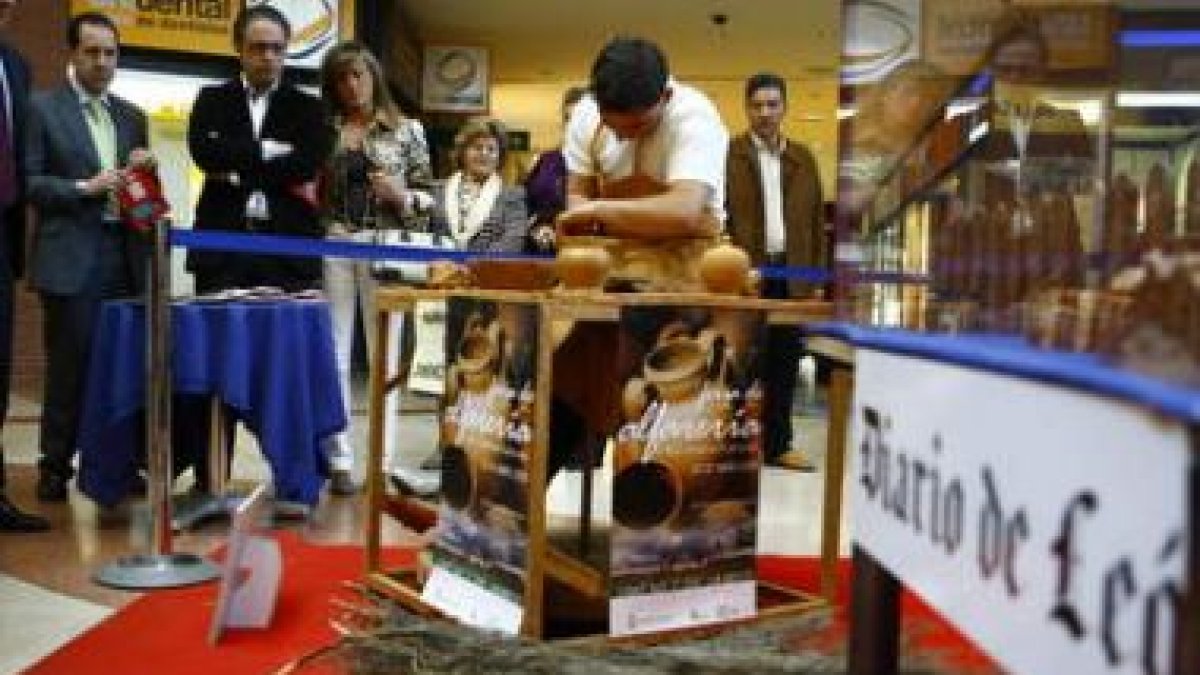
[172,49]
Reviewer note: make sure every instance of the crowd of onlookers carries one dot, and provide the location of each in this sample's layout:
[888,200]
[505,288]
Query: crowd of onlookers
[349,165]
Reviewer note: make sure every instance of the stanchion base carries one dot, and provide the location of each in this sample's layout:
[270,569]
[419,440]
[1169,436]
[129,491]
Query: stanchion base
[138,572]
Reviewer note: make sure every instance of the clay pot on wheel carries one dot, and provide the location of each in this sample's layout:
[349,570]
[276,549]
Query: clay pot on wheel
[724,268]
[582,264]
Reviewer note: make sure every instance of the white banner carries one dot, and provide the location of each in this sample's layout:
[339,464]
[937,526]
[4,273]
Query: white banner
[1048,524]
[683,608]
[471,603]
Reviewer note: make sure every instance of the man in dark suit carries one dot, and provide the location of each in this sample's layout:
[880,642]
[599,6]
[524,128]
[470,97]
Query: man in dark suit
[260,143]
[775,212]
[80,140]
[14,98]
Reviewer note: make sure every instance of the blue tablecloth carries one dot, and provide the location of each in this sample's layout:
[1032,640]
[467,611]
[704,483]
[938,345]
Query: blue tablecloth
[271,361]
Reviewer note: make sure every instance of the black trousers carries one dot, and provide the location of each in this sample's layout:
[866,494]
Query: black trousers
[779,377]
[68,322]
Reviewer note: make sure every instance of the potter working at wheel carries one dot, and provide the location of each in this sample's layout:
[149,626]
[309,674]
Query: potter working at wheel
[645,156]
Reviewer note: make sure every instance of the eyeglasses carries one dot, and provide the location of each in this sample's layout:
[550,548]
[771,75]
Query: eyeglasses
[265,47]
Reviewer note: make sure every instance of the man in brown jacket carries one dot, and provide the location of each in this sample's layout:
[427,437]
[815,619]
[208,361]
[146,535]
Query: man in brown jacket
[775,212]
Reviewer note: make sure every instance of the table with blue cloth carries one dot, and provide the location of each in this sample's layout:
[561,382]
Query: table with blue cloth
[270,361]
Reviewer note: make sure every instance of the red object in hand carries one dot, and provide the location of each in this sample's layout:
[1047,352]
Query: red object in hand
[141,199]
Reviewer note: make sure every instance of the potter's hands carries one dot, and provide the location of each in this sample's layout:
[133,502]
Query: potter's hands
[581,220]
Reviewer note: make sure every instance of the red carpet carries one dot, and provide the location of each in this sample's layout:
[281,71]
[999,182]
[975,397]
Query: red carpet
[166,631]
[922,629]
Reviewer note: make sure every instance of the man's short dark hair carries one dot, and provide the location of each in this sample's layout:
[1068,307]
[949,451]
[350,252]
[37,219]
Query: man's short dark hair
[254,13]
[629,75]
[77,22]
[765,80]
[573,95]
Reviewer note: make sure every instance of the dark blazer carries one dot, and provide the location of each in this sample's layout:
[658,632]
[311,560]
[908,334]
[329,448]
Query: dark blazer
[803,210]
[504,229]
[221,140]
[58,153]
[14,218]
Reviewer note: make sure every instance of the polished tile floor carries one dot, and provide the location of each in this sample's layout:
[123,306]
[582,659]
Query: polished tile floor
[53,570]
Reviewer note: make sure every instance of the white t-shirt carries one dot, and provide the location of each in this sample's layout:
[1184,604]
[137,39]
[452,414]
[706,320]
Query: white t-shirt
[689,143]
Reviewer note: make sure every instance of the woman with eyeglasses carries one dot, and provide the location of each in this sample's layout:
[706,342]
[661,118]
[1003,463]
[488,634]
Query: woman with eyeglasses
[371,183]
[474,207]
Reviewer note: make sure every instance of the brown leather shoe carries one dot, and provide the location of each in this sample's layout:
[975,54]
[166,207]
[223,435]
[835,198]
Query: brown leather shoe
[795,459]
[342,484]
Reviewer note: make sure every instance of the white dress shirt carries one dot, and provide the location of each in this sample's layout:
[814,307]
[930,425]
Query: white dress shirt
[772,191]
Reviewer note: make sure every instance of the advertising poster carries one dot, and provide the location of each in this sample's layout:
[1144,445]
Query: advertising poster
[206,26]
[487,418]
[685,474]
[201,27]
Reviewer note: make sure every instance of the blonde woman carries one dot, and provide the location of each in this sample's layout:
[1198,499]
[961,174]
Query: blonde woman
[474,207]
[379,157]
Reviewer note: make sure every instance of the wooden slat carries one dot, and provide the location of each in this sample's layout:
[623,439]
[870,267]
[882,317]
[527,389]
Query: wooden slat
[831,348]
[575,573]
[415,514]
[404,593]
[536,470]
[376,485]
[874,618]
[841,390]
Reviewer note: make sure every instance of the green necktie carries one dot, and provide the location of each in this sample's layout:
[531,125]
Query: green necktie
[104,134]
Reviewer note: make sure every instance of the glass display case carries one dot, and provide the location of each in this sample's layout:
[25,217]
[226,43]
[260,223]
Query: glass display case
[1036,174]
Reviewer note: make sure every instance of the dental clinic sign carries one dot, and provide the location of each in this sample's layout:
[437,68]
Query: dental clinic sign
[206,26]
[1050,525]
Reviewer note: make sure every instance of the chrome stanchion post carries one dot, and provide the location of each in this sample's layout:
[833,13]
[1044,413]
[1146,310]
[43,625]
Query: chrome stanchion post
[158,392]
[161,568]
[218,465]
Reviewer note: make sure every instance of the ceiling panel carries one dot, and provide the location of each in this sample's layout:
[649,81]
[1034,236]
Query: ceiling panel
[538,40]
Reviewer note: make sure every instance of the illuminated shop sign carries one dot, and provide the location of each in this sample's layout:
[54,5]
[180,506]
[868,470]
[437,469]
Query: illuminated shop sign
[205,26]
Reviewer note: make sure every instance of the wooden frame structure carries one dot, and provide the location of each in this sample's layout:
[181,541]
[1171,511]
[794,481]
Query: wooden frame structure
[559,311]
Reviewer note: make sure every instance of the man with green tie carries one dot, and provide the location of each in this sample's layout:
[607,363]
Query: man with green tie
[80,141]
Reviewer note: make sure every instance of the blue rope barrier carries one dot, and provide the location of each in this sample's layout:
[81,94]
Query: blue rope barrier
[278,244]
[286,245]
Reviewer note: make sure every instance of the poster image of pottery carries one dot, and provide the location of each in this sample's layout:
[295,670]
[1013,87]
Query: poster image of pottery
[486,436]
[686,465]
